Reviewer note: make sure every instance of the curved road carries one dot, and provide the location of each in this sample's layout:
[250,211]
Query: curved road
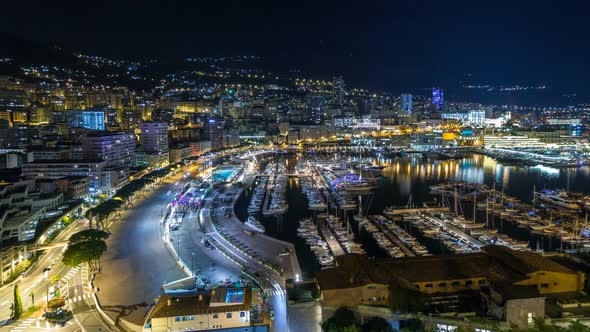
[137,262]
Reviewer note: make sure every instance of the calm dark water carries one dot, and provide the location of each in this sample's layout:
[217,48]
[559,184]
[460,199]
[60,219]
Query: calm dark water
[410,177]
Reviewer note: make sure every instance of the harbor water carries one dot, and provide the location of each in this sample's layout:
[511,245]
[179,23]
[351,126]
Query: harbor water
[406,180]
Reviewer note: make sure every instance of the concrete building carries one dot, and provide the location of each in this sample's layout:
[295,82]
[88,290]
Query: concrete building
[216,133]
[513,284]
[102,180]
[115,148]
[406,103]
[23,205]
[189,309]
[154,137]
[511,142]
[475,118]
[75,187]
[180,153]
[338,89]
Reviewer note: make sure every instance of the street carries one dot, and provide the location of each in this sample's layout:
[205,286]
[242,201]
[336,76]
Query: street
[34,282]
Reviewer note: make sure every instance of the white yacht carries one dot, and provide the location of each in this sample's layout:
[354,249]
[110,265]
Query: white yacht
[555,197]
[254,225]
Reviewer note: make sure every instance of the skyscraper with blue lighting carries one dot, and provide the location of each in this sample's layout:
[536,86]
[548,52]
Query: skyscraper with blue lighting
[437,98]
[93,120]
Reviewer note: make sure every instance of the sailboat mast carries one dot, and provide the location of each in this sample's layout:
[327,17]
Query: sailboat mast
[474,204]
[456,203]
[534,195]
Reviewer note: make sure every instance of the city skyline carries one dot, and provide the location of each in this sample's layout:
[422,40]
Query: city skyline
[388,47]
[401,166]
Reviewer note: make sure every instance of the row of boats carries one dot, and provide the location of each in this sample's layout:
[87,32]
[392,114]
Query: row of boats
[258,196]
[382,240]
[408,240]
[315,198]
[277,202]
[344,236]
[432,227]
[308,230]
[553,212]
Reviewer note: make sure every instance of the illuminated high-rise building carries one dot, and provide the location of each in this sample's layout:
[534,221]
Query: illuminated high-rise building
[437,98]
[406,103]
[338,89]
[154,137]
[216,133]
[93,120]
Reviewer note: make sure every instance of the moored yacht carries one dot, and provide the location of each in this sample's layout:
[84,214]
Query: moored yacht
[557,198]
[254,225]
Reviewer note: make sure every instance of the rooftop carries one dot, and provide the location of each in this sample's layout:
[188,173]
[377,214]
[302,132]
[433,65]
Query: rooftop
[198,304]
[499,264]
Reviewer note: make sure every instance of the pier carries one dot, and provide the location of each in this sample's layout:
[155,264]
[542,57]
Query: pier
[331,240]
[455,231]
[269,188]
[396,212]
[392,237]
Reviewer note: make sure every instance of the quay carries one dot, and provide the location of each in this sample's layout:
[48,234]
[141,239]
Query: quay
[393,238]
[455,231]
[331,240]
[396,212]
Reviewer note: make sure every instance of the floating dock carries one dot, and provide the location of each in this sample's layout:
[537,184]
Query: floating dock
[392,237]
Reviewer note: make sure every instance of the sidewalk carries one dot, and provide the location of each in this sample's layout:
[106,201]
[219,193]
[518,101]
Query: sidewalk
[258,245]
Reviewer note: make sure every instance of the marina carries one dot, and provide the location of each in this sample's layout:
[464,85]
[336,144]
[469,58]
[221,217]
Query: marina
[317,188]
[380,222]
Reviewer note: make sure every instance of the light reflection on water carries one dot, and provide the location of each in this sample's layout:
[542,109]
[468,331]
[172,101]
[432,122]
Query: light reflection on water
[414,174]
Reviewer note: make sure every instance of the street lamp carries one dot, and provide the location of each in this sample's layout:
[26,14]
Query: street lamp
[193,263]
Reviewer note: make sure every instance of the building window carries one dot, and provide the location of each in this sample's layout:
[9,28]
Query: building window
[530,318]
[544,285]
[456,284]
[228,315]
[428,285]
[445,328]
[184,318]
[468,282]
[191,317]
[442,284]
[177,319]
[215,316]
[242,314]
[482,282]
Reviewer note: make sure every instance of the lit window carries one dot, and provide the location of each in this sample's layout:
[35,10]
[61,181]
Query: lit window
[530,319]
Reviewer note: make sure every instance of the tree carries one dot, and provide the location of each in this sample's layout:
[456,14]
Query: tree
[576,326]
[18,304]
[343,320]
[87,235]
[542,326]
[377,324]
[84,252]
[56,303]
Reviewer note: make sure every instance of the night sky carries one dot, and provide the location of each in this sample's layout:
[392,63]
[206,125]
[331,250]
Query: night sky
[386,45]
